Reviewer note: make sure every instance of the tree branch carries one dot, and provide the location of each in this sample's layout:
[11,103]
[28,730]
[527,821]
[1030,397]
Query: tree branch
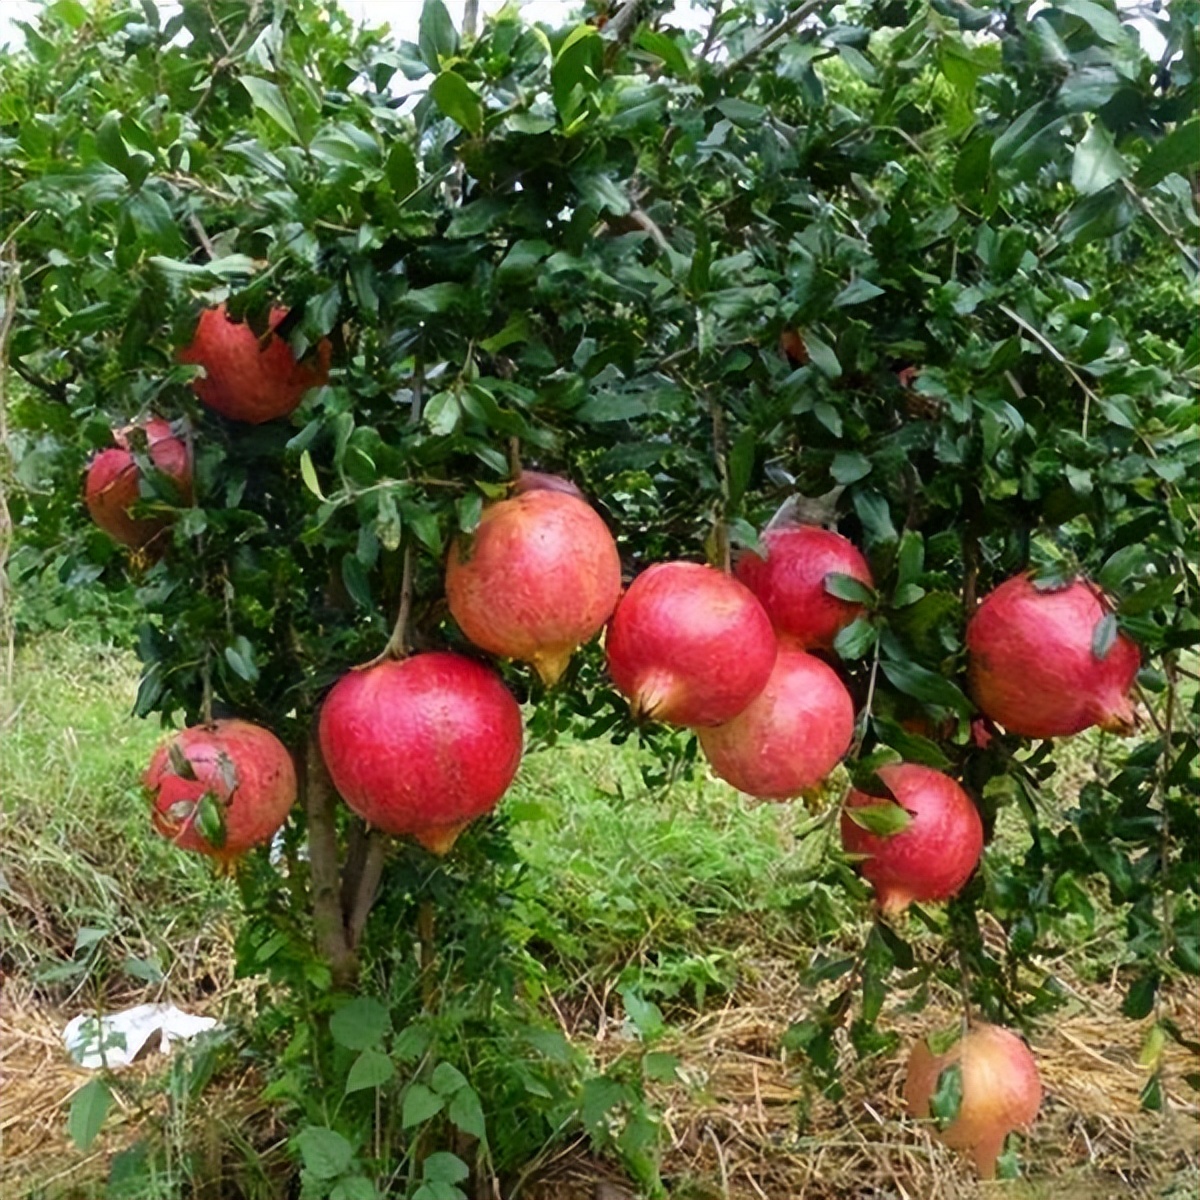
[368,887]
[792,21]
[56,390]
[320,802]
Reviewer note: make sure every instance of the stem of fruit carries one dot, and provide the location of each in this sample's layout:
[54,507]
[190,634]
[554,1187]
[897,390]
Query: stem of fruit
[206,695]
[514,457]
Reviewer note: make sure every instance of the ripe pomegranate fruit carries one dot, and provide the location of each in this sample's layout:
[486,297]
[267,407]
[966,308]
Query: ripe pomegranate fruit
[114,482]
[938,851]
[244,379]
[422,746]
[790,736]
[689,645]
[1001,1090]
[1032,667]
[539,577]
[244,768]
[790,583]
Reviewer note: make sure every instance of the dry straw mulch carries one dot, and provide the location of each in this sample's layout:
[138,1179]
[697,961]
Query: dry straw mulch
[730,1124]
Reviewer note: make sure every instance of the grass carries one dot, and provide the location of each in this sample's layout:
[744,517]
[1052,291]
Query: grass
[703,901]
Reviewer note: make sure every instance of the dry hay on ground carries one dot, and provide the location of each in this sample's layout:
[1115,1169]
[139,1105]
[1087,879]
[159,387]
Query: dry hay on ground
[730,1128]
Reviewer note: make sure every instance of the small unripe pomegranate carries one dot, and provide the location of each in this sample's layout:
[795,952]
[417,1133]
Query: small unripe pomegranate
[246,379]
[539,577]
[934,856]
[241,773]
[1001,1090]
[422,746]
[689,645]
[1032,661]
[790,736]
[790,583]
[114,482]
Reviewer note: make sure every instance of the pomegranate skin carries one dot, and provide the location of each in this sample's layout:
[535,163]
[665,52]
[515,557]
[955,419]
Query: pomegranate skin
[790,736]
[790,583]
[113,483]
[422,746]
[1001,1090]
[935,855]
[540,577]
[263,791]
[244,381]
[689,645]
[1031,667]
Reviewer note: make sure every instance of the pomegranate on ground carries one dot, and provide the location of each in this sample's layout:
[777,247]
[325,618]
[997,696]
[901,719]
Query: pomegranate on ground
[934,855]
[421,746]
[245,770]
[245,378]
[1001,1090]
[790,736]
[113,483]
[1032,664]
[539,577]
[689,645]
[790,583]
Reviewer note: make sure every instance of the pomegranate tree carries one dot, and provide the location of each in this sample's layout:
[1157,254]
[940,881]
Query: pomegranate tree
[937,851]
[1049,662]
[539,576]
[114,481]
[248,378]
[1000,1088]
[790,582]
[790,736]
[689,645]
[222,788]
[421,746]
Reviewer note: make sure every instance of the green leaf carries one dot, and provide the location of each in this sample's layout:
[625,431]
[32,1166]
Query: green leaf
[850,466]
[401,170]
[360,1024]
[309,474]
[447,1079]
[883,820]
[354,1187]
[661,1067]
[89,1107]
[600,192]
[912,747]
[855,639]
[947,1099]
[240,656]
[354,576]
[1152,1097]
[420,1104]
[324,1152]
[443,1167]
[1139,1000]
[741,464]
[269,99]
[664,47]
[645,1016]
[857,291]
[466,1113]
[436,35]
[208,819]
[822,356]
[1176,154]
[1097,162]
[1105,24]
[371,1069]
[846,587]
[453,95]
[1104,636]
[919,682]
[443,414]
[575,70]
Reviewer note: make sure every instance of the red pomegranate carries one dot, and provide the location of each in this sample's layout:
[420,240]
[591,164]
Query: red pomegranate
[243,767]
[245,380]
[790,583]
[539,577]
[531,481]
[114,482]
[422,746]
[790,736]
[689,645]
[1032,665]
[935,855]
[1001,1090]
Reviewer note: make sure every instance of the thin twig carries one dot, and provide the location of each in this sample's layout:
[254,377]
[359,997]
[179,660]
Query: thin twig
[768,39]
[201,236]
[1166,230]
[721,457]
[710,37]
